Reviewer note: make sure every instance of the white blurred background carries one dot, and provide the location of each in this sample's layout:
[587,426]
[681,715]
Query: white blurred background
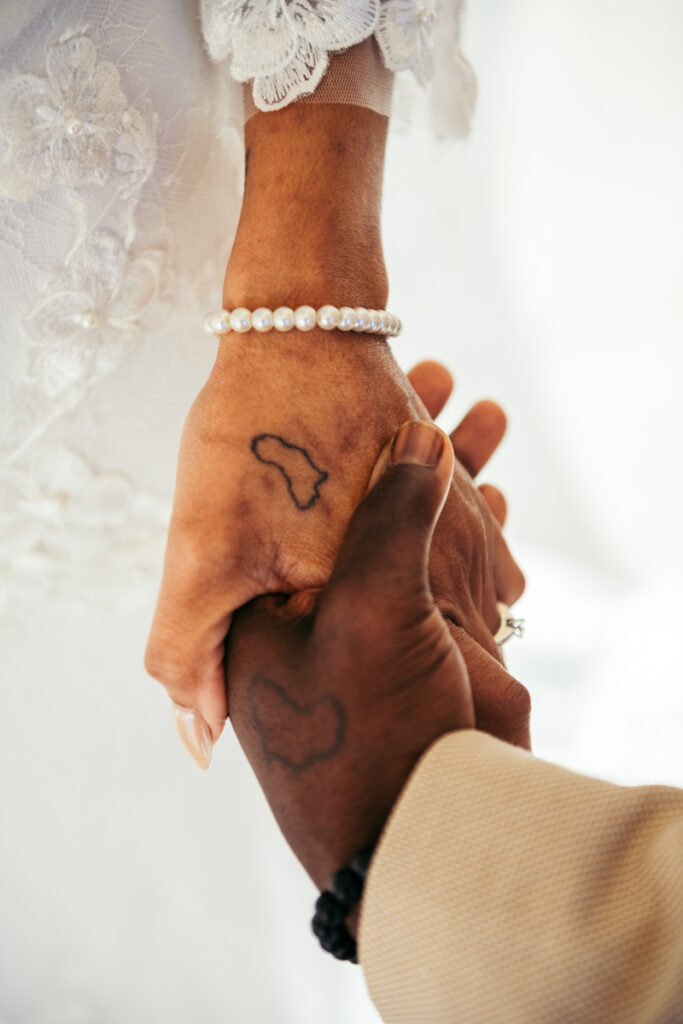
[134,888]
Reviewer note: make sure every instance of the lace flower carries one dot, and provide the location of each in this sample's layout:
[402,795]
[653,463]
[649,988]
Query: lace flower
[65,124]
[90,319]
[283,44]
[404,34]
[134,148]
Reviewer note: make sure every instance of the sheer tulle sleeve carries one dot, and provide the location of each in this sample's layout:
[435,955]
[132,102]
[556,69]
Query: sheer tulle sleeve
[347,51]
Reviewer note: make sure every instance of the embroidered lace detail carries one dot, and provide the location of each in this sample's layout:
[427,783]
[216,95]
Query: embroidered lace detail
[67,529]
[72,125]
[284,44]
[91,317]
[120,184]
[405,36]
[284,47]
[120,179]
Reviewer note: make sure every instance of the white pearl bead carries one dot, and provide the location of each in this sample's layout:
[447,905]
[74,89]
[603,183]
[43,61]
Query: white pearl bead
[384,322]
[283,318]
[428,17]
[72,126]
[347,318]
[305,318]
[327,317]
[262,319]
[217,323]
[240,320]
[87,320]
[399,325]
[373,321]
[362,319]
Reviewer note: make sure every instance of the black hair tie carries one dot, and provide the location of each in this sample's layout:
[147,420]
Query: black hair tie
[336,903]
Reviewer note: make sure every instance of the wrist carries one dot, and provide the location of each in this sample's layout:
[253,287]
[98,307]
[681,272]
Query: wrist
[309,230]
[335,921]
[295,357]
[272,267]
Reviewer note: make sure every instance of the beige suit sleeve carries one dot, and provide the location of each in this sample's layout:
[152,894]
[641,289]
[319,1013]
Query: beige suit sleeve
[506,890]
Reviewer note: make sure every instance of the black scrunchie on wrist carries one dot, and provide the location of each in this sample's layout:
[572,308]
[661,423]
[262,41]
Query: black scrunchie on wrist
[335,903]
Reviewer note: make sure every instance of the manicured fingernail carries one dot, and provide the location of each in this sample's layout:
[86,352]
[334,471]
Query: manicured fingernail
[195,735]
[418,444]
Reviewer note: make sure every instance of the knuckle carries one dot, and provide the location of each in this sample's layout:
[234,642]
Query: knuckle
[517,584]
[191,549]
[156,665]
[517,701]
[150,663]
[521,584]
[511,583]
[163,663]
[202,540]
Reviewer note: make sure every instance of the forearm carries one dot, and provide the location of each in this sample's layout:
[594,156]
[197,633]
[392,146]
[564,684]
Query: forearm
[309,230]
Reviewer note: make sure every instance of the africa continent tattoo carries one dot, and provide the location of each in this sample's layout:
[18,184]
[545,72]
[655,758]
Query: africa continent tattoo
[297,468]
[295,735]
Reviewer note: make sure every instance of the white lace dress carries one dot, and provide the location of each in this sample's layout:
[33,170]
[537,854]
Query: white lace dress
[120,177]
[120,182]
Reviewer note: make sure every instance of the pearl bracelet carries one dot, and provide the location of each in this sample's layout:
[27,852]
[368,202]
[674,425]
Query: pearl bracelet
[305,318]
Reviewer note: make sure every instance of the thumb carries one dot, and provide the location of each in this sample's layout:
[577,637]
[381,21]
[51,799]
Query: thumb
[384,556]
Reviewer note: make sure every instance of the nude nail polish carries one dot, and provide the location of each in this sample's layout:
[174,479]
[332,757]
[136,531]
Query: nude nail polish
[419,444]
[194,734]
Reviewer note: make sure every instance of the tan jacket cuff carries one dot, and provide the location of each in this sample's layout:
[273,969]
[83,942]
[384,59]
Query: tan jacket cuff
[506,889]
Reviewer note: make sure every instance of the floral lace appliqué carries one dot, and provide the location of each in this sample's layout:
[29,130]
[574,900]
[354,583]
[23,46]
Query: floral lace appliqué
[92,315]
[405,37]
[71,125]
[284,45]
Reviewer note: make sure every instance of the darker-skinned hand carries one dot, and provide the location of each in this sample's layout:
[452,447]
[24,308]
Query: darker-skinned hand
[336,693]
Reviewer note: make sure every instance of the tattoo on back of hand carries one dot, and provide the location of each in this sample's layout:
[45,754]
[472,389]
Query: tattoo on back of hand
[295,735]
[300,473]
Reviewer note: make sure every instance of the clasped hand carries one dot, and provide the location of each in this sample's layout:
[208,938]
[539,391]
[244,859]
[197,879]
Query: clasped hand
[276,454]
[335,693]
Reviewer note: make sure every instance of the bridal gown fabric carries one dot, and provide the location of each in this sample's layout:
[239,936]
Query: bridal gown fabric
[121,173]
[132,886]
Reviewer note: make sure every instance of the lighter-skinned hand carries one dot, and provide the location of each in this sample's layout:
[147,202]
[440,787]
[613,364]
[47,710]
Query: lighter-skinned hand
[276,454]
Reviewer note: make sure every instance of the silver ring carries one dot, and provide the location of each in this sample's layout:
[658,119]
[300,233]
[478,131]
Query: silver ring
[509,625]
